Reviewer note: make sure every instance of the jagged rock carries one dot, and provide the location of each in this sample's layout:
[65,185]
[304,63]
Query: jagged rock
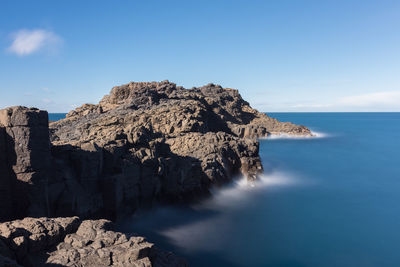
[96,245]
[30,232]
[144,143]
[26,238]
[221,155]
[70,242]
[155,141]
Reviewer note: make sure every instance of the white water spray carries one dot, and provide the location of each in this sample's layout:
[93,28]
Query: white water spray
[207,234]
[290,136]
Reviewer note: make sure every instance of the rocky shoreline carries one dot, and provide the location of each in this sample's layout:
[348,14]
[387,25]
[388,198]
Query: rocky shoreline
[143,144]
[72,242]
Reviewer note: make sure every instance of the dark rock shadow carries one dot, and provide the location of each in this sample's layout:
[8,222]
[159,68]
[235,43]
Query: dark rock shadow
[17,191]
[6,206]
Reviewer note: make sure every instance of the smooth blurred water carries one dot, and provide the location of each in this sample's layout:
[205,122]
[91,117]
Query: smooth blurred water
[330,201]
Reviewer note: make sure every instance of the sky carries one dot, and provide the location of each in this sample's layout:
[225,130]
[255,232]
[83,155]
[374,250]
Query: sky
[283,56]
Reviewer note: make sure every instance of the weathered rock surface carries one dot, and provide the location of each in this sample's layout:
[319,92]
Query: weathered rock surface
[143,143]
[155,141]
[95,244]
[70,242]
[25,161]
[24,239]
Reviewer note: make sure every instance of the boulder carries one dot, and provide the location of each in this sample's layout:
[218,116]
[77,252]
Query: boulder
[96,245]
[27,238]
[72,242]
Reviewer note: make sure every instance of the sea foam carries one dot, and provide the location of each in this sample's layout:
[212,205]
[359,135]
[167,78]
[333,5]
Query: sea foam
[241,190]
[315,134]
[206,234]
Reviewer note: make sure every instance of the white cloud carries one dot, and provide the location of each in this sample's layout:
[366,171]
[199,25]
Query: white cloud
[26,42]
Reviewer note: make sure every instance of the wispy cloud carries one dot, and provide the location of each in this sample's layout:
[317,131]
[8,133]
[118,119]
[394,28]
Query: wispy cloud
[388,100]
[26,42]
[311,105]
[47,101]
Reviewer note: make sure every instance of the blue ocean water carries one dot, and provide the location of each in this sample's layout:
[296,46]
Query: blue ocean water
[56,116]
[327,201]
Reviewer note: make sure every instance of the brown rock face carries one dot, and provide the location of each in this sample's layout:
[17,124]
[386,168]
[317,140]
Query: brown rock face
[25,239]
[155,141]
[143,143]
[26,159]
[96,245]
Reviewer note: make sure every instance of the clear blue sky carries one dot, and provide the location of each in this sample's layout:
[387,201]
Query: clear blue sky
[286,55]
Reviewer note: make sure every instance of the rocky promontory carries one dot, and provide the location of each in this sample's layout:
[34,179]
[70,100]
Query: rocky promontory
[144,143]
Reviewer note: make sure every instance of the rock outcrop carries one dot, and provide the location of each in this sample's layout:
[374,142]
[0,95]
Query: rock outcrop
[144,143]
[155,141]
[70,242]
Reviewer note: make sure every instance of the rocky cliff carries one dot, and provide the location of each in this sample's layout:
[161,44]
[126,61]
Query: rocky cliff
[25,161]
[154,141]
[144,143]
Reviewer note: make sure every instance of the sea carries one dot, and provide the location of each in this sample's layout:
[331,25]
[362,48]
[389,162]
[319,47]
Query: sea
[331,200]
